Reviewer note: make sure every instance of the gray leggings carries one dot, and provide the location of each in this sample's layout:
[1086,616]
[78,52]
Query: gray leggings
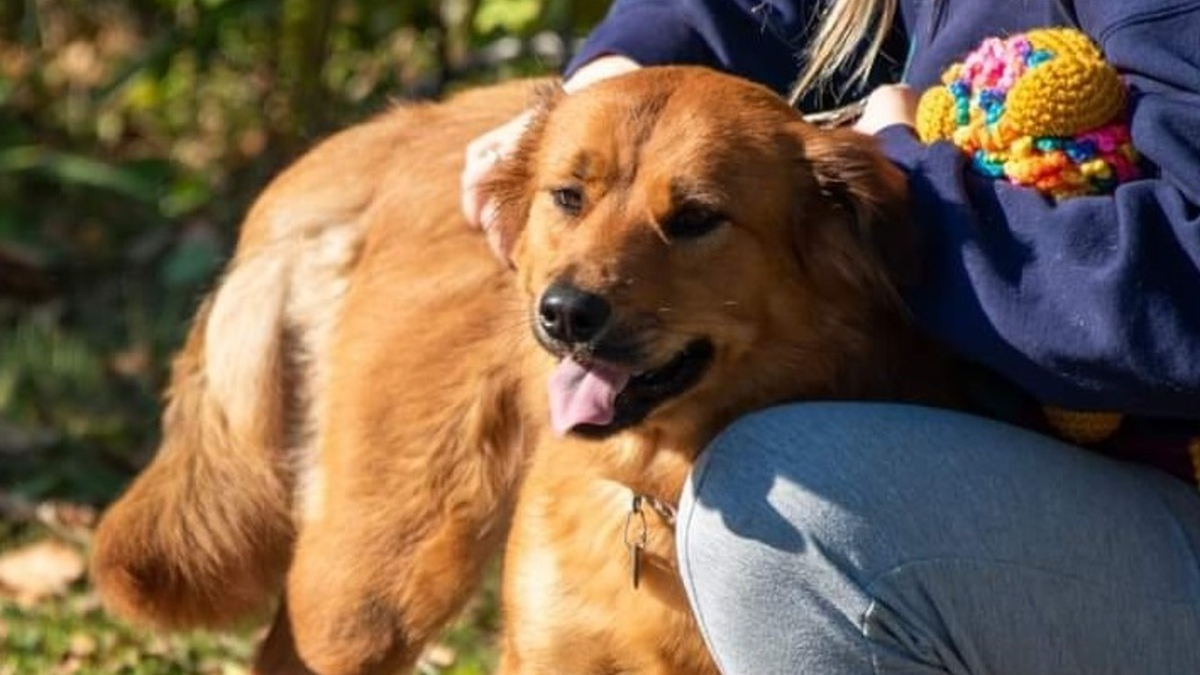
[872,539]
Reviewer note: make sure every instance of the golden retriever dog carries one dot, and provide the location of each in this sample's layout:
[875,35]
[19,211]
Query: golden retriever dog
[369,405]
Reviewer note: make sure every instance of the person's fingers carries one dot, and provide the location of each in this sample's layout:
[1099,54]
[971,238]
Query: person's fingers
[480,161]
[887,105]
[482,155]
[609,65]
[495,236]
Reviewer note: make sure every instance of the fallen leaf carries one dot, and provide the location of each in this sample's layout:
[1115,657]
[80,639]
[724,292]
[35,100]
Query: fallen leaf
[69,666]
[86,603]
[72,522]
[81,644]
[157,646]
[133,362]
[440,656]
[39,570]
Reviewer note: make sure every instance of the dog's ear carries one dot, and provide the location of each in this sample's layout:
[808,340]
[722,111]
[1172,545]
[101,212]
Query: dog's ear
[859,186]
[509,188]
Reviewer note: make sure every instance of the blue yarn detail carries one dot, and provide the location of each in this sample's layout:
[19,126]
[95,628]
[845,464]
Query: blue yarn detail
[990,98]
[1080,151]
[1038,56]
[962,102]
[1048,143]
[962,112]
[986,165]
[991,101]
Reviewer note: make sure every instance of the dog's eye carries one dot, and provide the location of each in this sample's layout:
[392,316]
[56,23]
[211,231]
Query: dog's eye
[569,199]
[692,222]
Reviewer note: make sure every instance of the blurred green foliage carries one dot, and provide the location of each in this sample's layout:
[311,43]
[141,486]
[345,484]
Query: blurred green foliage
[133,134]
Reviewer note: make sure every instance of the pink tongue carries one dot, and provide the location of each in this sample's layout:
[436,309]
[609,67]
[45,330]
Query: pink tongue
[584,394]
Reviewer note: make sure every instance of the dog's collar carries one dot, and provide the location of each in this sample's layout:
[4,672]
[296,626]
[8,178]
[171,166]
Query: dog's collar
[665,510]
[635,528]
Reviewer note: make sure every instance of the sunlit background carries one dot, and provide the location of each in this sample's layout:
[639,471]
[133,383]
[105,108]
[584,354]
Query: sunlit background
[133,134]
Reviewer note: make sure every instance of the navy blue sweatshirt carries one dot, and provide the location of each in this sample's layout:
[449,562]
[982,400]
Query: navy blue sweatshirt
[1088,303]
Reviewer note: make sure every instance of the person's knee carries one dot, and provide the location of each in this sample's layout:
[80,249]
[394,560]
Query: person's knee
[759,548]
[858,485]
[865,487]
[800,525]
[824,469]
[776,498]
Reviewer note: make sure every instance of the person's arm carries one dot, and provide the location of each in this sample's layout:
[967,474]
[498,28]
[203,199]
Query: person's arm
[758,40]
[1088,302]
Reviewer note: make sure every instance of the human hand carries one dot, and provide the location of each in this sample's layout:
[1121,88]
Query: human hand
[485,151]
[483,154]
[887,105]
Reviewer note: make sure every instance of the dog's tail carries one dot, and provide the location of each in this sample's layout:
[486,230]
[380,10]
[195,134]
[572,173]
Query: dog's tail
[203,536]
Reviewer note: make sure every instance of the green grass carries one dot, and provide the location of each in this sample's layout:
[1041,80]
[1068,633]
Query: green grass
[72,635]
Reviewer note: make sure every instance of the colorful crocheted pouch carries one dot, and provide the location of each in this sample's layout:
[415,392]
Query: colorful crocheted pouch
[1042,109]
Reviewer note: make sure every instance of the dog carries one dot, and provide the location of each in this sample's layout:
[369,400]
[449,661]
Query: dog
[368,406]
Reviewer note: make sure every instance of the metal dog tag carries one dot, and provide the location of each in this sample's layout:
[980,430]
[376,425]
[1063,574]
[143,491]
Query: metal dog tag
[635,538]
[635,564]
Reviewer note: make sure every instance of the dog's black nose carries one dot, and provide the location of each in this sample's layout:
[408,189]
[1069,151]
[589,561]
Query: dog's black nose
[571,315]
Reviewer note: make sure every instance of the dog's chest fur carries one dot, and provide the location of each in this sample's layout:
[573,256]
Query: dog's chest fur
[571,605]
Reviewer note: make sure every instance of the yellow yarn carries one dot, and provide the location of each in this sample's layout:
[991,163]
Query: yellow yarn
[1074,91]
[1077,90]
[1194,450]
[1042,109]
[1080,426]
[935,115]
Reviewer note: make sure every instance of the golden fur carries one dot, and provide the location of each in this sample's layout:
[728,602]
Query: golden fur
[361,400]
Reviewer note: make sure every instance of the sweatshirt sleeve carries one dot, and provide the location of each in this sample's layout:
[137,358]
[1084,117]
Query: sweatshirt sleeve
[1088,302]
[756,39]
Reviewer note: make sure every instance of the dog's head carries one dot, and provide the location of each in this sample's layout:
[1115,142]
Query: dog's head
[691,249]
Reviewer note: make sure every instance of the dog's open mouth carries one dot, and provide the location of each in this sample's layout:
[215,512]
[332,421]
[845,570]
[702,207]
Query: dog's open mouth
[596,399]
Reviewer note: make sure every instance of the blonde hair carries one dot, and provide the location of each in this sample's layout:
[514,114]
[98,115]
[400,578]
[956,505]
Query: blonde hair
[845,27]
